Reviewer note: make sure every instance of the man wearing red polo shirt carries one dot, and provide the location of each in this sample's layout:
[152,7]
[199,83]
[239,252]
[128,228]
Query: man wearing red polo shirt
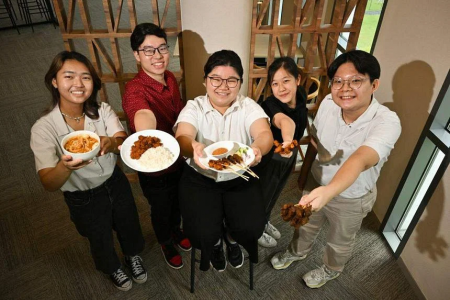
[152,101]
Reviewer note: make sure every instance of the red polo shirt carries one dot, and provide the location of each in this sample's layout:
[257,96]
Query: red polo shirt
[144,92]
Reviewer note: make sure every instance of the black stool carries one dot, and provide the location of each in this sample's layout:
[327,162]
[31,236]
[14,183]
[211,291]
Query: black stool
[7,8]
[33,7]
[194,260]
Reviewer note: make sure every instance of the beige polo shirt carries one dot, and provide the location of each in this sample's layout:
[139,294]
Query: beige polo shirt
[212,126]
[378,128]
[49,130]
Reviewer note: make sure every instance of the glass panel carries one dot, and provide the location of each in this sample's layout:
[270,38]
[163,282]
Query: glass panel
[421,189]
[369,24]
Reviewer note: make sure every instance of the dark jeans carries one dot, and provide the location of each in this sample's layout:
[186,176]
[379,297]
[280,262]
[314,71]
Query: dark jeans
[162,195]
[98,211]
[206,204]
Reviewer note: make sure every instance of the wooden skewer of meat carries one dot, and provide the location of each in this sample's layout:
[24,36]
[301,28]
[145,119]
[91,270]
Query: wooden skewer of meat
[223,163]
[238,162]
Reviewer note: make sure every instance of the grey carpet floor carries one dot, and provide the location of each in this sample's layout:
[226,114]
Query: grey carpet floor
[43,257]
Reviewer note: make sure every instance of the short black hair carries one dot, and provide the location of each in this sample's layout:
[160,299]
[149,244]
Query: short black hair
[286,63]
[364,62]
[144,29]
[224,58]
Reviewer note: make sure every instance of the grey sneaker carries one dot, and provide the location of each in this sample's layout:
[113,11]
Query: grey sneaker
[267,241]
[272,231]
[283,260]
[318,277]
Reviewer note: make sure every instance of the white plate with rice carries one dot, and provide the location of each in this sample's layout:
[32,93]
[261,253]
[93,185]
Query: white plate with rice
[154,159]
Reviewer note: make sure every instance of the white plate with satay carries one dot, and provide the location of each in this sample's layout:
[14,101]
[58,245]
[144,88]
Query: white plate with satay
[229,157]
[150,151]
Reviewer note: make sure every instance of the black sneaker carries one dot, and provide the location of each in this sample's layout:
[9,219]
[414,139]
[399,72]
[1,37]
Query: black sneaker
[234,254]
[218,260]
[138,272]
[171,255]
[121,280]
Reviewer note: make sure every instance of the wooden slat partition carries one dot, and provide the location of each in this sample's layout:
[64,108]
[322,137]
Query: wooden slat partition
[110,56]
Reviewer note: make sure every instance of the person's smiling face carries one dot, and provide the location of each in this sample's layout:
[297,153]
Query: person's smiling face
[156,64]
[74,82]
[222,97]
[353,101]
[284,87]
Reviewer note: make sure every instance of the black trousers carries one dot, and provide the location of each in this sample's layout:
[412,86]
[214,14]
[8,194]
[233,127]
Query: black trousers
[273,178]
[162,195]
[206,204]
[96,212]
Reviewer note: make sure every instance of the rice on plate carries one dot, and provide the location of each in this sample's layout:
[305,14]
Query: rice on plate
[156,158]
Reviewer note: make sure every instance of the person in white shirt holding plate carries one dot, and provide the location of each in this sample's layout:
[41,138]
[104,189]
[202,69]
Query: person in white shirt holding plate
[216,206]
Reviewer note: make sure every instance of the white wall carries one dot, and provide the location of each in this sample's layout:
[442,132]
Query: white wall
[209,26]
[413,50]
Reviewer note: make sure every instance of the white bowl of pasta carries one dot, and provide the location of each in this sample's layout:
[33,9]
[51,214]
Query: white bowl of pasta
[81,144]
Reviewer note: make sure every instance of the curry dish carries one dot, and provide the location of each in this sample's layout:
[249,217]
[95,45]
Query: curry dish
[81,144]
[143,144]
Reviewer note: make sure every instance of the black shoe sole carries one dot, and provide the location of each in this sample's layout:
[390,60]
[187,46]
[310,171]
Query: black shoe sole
[238,266]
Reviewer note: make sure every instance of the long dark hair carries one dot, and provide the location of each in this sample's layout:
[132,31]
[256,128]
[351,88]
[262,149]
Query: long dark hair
[90,106]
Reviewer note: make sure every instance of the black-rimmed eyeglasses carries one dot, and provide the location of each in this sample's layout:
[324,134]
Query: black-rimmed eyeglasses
[163,49]
[355,82]
[231,82]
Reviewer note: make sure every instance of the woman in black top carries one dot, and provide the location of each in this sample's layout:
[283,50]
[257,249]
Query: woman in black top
[288,115]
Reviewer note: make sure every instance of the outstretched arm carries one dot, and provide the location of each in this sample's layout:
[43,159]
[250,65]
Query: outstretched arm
[262,139]
[287,127]
[362,159]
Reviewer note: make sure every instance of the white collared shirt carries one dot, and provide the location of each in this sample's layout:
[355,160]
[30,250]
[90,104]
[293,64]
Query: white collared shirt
[378,128]
[46,136]
[212,126]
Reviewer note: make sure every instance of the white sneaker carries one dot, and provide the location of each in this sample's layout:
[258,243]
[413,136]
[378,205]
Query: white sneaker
[267,241]
[272,231]
[318,277]
[283,260]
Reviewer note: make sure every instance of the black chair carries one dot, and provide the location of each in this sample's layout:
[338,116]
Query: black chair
[27,8]
[6,8]
[194,260]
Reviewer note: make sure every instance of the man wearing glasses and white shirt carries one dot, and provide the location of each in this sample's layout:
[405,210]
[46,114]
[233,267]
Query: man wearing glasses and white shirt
[354,136]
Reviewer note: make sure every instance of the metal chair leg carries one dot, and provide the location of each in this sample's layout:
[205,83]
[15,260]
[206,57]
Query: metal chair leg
[251,275]
[192,269]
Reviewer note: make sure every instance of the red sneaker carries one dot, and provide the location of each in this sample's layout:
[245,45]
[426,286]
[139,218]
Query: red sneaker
[181,240]
[172,257]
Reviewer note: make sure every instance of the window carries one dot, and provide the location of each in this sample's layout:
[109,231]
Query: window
[369,28]
[425,169]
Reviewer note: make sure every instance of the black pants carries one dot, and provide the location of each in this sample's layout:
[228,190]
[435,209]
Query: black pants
[273,178]
[162,195]
[206,204]
[96,212]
